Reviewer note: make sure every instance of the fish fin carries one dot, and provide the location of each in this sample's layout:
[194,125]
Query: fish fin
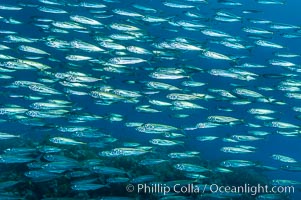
[190,128]
[235,60]
[38,158]
[258,163]
[129,174]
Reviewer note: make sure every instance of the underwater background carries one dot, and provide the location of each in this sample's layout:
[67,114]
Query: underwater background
[100,95]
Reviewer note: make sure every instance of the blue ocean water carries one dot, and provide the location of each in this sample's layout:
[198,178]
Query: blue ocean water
[111,111]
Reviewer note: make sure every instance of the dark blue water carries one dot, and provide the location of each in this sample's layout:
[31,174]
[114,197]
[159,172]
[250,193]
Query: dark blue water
[274,143]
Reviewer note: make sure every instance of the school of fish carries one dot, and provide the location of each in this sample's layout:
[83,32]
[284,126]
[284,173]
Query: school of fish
[96,95]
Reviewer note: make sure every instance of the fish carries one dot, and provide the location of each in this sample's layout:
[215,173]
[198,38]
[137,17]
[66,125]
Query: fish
[223,119]
[256,31]
[87,187]
[179,105]
[107,170]
[181,155]
[162,142]
[186,167]
[235,150]
[65,141]
[127,152]
[216,55]
[283,158]
[273,2]
[85,20]
[237,163]
[84,46]
[206,138]
[245,138]
[281,125]
[142,179]
[264,43]
[151,162]
[48,9]
[102,97]
[40,175]
[258,111]
[5,136]
[14,159]
[126,60]
[283,182]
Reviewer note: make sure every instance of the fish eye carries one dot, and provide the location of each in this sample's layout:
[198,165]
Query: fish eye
[55,140]
[34,87]
[36,105]
[71,78]
[167,134]
[117,151]
[274,124]
[58,75]
[214,72]
[172,96]
[225,149]
[236,137]
[180,167]
[140,129]
[177,103]
[8,64]
[117,92]
[200,125]
[2,111]
[151,84]
[17,83]
[149,126]
[226,164]
[93,94]
[32,113]
[155,74]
